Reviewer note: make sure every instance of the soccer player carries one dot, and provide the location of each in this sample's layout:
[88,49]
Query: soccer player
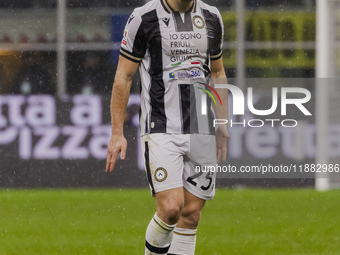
[172,42]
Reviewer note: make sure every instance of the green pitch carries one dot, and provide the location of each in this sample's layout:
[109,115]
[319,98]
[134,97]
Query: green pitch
[114,221]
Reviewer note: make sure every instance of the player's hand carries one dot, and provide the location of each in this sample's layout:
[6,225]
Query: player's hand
[118,144]
[221,143]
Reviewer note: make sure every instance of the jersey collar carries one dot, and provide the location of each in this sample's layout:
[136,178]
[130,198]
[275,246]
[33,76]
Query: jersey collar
[168,8]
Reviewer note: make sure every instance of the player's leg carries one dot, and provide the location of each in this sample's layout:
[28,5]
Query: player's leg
[191,211]
[158,237]
[198,187]
[169,204]
[159,232]
[184,234]
[164,168]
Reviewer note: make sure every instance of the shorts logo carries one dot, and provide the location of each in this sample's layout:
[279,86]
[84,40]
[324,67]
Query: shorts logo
[160,174]
[198,21]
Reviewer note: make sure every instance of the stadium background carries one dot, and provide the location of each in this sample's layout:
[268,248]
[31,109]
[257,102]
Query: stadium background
[57,65]
[279,43]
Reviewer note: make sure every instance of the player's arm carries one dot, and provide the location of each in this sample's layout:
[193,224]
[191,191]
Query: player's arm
[221,111]
[217,75]
[120,95]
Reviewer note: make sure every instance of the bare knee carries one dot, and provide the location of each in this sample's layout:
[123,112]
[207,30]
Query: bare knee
[170,212]
[169,205]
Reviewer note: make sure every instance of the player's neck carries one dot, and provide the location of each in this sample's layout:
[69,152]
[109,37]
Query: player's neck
[181,5]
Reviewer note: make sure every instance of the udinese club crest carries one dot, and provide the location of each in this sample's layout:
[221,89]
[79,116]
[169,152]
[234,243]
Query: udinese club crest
[198,21]
[161,174]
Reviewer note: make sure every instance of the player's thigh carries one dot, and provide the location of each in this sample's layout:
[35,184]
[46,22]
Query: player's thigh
[197,177]
[191,211]
[192,203]
[163,162]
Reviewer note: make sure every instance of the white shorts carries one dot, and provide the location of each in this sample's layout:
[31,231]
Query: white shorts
[170,162]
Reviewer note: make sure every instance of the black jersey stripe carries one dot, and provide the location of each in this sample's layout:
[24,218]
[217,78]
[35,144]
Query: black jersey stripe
[158,117]
[140,43]
[157,89]
[147,166]
[157,250]
[194,123]
[210,118]
[194,128]
[185,107]
[206,67]
[214,31]
[187,25]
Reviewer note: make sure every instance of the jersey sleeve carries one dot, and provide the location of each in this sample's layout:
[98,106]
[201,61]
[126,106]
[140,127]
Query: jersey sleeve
[133,46]
[216,50]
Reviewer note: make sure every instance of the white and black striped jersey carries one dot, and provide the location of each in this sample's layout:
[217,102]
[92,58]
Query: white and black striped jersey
[172,49]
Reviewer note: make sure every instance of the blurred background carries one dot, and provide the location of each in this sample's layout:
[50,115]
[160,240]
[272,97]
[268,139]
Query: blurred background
[278,41]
